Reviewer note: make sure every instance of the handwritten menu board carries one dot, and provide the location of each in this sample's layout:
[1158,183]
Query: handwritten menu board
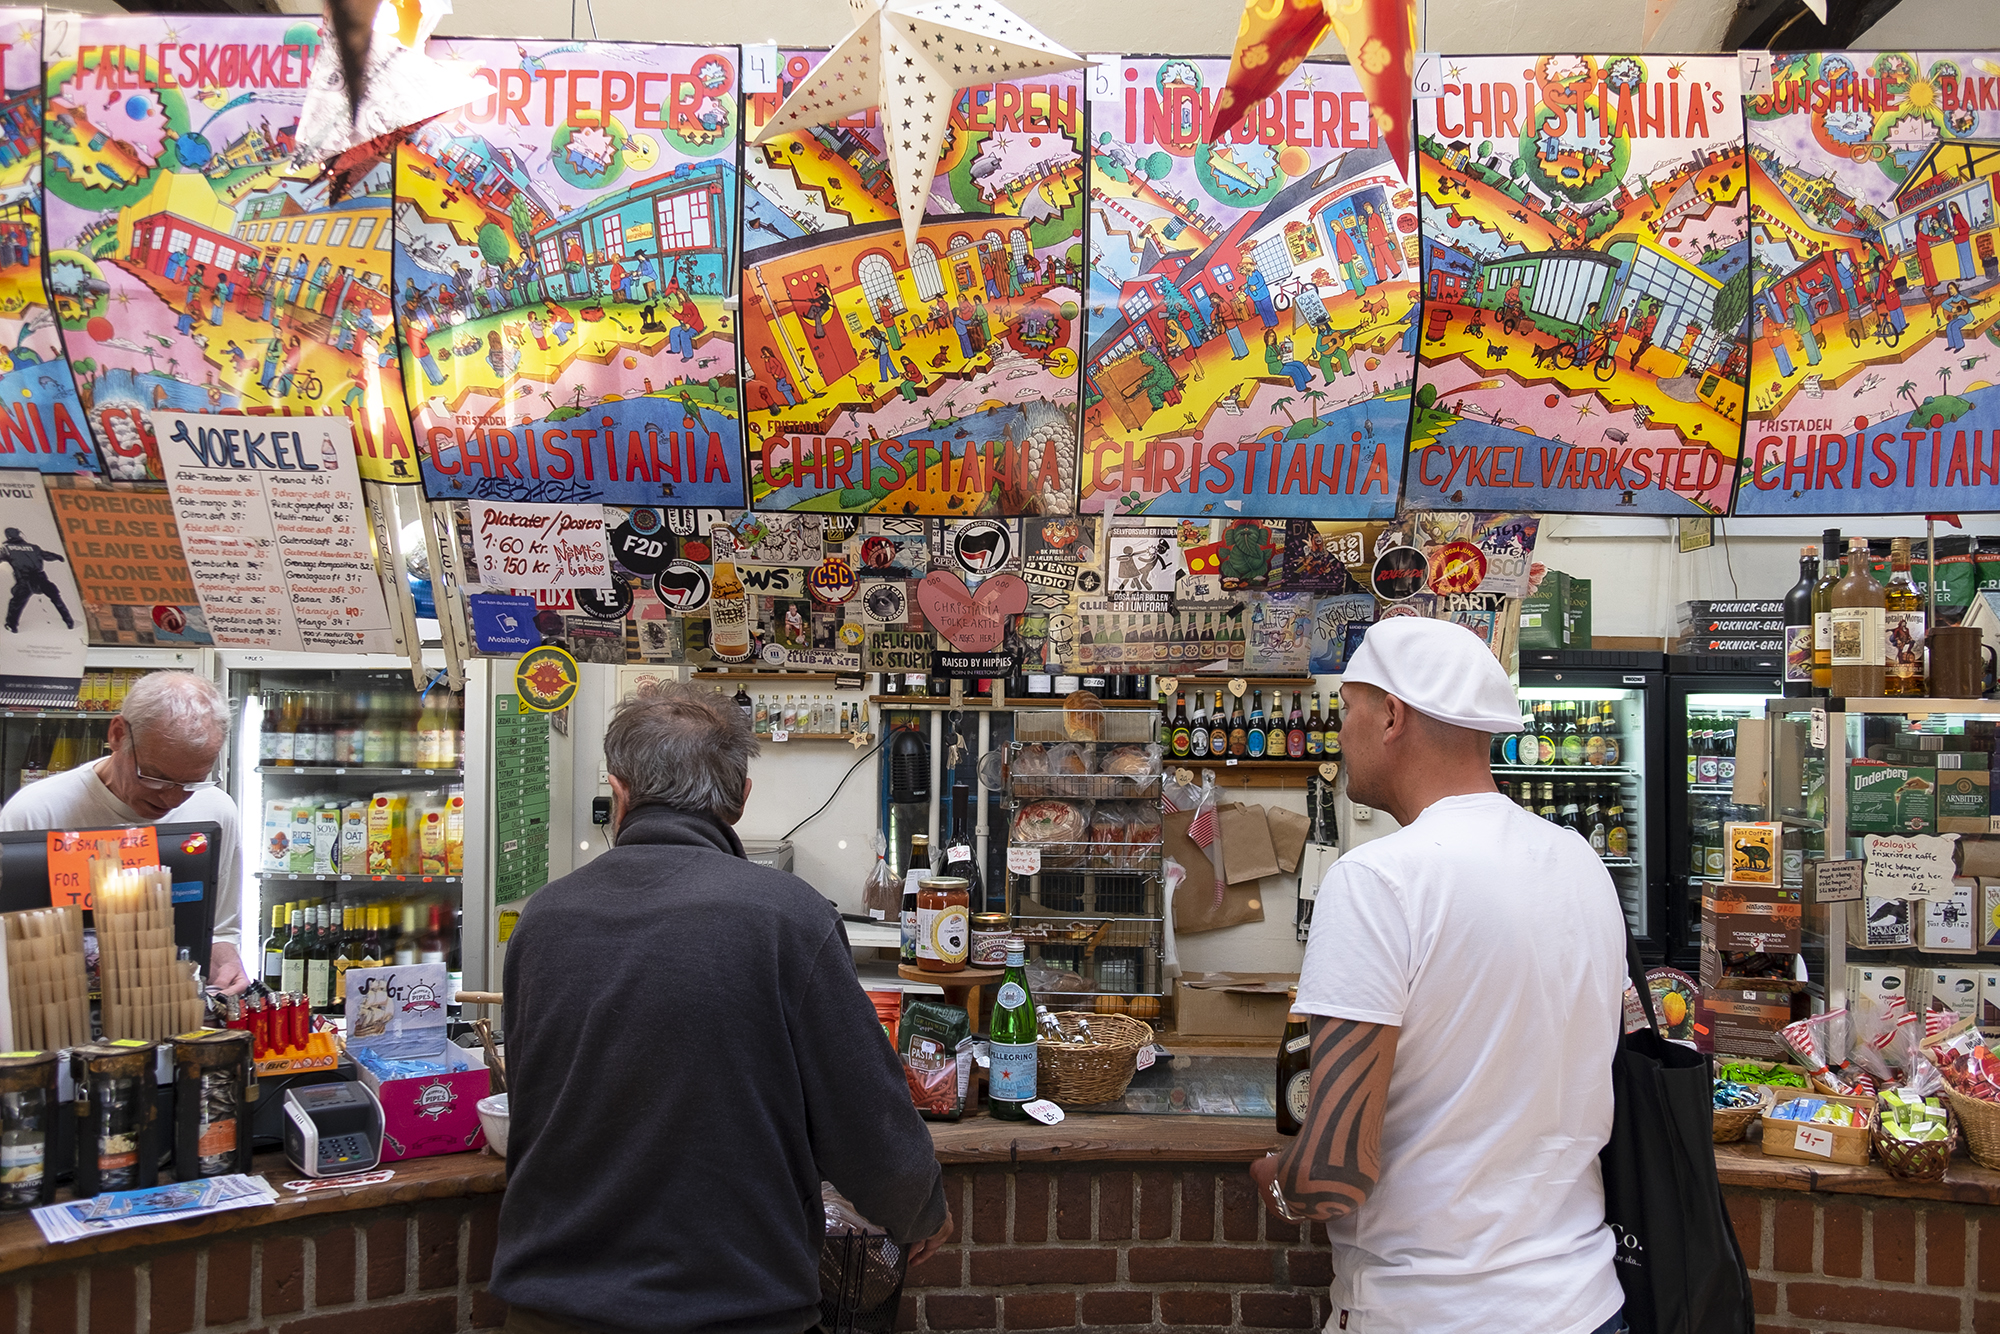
[276,531]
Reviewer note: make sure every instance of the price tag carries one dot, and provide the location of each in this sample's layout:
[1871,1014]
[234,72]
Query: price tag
[1229,763]
[780,735]
[1238,686]
[1427,80]
[1024,860]
[957,852]
[1837,882]
[760,67]
[1169,684]
[1043,1110]
[1329,770]
[1813,1139]
[69,855]
[1818,739]
[1145,1061]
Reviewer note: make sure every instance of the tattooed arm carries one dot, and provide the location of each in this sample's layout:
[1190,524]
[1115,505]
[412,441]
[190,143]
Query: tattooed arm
[1332,1164]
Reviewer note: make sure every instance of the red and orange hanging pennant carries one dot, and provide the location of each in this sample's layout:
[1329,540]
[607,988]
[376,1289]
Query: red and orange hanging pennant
[1379,36]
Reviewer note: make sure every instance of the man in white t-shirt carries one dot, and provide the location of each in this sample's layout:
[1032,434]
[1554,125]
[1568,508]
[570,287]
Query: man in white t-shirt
[1465,977]
[165,742]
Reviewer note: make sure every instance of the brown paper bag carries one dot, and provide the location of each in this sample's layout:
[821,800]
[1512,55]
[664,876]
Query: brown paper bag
[1288,836]
[1247,852]
[1197,905]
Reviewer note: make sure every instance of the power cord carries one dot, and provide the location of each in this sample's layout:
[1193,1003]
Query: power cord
[836,790]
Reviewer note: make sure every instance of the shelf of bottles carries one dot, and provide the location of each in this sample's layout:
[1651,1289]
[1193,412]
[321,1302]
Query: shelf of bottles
[1573,765]
[1091,805]
[358,795]
[35,743]
[1711,785]
[1224,728]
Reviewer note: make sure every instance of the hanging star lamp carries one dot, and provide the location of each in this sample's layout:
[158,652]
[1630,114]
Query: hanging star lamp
[910,60]
[1379,36]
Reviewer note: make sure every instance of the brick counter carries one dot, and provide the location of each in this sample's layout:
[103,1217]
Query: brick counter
[1120,1223]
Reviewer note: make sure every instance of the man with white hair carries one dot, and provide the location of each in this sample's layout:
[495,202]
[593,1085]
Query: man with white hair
[165,743]
[1465,980]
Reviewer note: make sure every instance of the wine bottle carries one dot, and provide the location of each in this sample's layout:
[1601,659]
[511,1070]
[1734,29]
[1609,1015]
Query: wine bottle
[1822,606]
[1799,627]
[431,946]
[920,864]
[1858,606]
[1902,626]
[374,919]
[1254,741]
[347,955]
[319,963]
[274,948]
[1012,1036]
[958,856]
[292,964]
[405,952]
[1294,1069]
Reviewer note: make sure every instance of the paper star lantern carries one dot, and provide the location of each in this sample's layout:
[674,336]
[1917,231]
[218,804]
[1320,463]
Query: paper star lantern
[1379,36]
[910,60]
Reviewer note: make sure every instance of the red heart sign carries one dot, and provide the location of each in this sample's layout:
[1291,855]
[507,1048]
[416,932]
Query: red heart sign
[971,622]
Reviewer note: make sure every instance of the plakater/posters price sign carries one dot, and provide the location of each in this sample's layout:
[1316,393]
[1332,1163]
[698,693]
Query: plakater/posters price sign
[275,529]
[1586,285]
[1252,301]
[1872,177]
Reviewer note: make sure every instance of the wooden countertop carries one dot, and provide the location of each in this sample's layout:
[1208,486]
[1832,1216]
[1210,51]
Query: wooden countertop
[976,1141]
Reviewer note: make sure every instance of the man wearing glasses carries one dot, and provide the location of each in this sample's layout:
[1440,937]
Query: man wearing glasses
[161,770]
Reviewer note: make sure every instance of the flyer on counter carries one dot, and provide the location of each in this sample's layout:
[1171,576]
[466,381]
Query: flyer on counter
[172,1203]
[276,532]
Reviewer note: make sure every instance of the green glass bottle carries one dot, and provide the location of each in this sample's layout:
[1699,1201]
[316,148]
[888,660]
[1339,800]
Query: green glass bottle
[1012,1038]
[292,960]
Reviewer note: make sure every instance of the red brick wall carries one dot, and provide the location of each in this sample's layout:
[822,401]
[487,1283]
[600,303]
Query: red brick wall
[1100,1247]
[1862,1265]
[418,1269]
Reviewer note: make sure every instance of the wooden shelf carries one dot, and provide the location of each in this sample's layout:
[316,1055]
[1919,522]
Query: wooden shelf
[917,703]
[790,737]
[772,674]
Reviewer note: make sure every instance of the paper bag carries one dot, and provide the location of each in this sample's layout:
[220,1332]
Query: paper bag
[1247,852]
[1198,906]
[1288,836]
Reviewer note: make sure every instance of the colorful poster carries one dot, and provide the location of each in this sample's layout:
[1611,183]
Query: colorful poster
[41,423]
[940,383]
[276,532]
[1251,301]
[192,268]
[1872,178]
[1586,285]
[565,255]
[42,639]
[125,552]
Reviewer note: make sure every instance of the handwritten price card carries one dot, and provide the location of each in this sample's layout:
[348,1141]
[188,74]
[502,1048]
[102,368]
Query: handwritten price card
[276,532]
[541,546]
[70,852]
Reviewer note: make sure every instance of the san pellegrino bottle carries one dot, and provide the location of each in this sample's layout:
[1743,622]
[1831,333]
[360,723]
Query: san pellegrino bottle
[1012,1038]
[1294,1070]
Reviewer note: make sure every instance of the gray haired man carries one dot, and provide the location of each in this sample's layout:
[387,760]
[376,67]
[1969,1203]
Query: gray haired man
[164,746]
[689,1055]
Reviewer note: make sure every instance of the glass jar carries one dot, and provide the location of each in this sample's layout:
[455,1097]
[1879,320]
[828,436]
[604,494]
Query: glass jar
[989,939]
[944,923]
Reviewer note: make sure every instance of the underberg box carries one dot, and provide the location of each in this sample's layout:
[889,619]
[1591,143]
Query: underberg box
[1890,798]
[1232,1005]
[429,1087]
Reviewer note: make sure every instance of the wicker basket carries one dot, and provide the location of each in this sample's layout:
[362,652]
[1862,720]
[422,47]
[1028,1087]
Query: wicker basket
[1070,1075]
[1915,1160]
[1980,1123]
[1731,1123]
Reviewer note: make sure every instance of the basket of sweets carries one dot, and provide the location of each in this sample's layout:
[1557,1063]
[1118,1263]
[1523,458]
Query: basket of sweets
[1090,1058]
[1914,1136]
[1972,1084]
[1736,1106]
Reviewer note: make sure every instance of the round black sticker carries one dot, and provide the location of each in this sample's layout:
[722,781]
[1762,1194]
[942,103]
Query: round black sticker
[682,587]
[1398,574]
[605,604]
[643,551]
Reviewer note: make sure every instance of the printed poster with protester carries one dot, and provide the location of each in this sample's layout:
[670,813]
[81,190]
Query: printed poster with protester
[191,267]
[565,252]
[1252,302]
[42,637]
[1874,318]
[1587,283]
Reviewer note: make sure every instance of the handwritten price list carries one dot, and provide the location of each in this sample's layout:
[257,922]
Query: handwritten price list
[276,531]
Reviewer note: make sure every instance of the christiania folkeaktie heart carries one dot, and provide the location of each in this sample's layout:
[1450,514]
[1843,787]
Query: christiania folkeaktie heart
[971,622]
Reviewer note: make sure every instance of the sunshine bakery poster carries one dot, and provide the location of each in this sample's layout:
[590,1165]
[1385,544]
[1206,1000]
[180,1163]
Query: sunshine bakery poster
[565,254]
[41,421]
[1252,302]
[1873,319]
[1587,283]
[939,381]
[191,268]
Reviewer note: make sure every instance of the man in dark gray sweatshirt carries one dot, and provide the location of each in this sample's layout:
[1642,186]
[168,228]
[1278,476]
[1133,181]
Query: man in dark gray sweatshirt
[690,1054]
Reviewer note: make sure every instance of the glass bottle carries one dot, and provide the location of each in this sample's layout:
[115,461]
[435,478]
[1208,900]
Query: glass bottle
[1903,626]
[1198,731]
[1254,740]
[1315,731]
[1799,627]
[728,614]
[267,731]
[1276,728]
[1858,608]
[959,861]
[1617,839]
[378,743]
[292,966]
[274,948]
[1822,609]
[319,963]
[345,956]
[1294,1069]
[406,940]
[1012,1039]
[1182,743]
[919,867]
[1239,736]
[371,941]
[1607,727]
[432,946]
[1295,731]
[1218,730]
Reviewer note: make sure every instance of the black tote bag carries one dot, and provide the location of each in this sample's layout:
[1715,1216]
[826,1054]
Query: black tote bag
[1678,1259]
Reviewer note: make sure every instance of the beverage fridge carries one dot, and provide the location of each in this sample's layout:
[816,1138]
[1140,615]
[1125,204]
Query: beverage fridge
[1706,697]
[365,817]
[36,743]
[1589,758]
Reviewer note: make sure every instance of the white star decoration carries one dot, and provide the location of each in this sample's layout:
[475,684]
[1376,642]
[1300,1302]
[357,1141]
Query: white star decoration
[910,58]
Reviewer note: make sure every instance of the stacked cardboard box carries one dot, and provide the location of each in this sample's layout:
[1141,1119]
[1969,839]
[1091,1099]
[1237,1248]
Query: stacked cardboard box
[1729,627]
[1557,615]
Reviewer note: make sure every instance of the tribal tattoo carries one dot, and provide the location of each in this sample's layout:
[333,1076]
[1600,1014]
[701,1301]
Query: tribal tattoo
[1332,1165]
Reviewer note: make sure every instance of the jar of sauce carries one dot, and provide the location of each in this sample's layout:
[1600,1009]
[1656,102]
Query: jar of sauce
[944,923]
[989,939]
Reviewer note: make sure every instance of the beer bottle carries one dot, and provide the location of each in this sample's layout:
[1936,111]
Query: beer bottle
[1617,839]
[1295,731]
[1011,1039]
[1182,742]
[1607,725]
[1218,730]
[1545,739]
[1315,731]
[1239,738]
[1571,738]
[1294,1070]
[1254,741]
[1568,815]
[1593,739]
[1277,731]
[1547,808]
[1198,731]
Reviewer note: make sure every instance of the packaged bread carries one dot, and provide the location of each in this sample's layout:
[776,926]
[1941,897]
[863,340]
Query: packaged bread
[1083,716]
[1132,761]
[1109,833]
[1051,821]
[1030,761]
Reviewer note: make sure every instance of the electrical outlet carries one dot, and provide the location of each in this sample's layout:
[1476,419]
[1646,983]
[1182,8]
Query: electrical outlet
[1364,813]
